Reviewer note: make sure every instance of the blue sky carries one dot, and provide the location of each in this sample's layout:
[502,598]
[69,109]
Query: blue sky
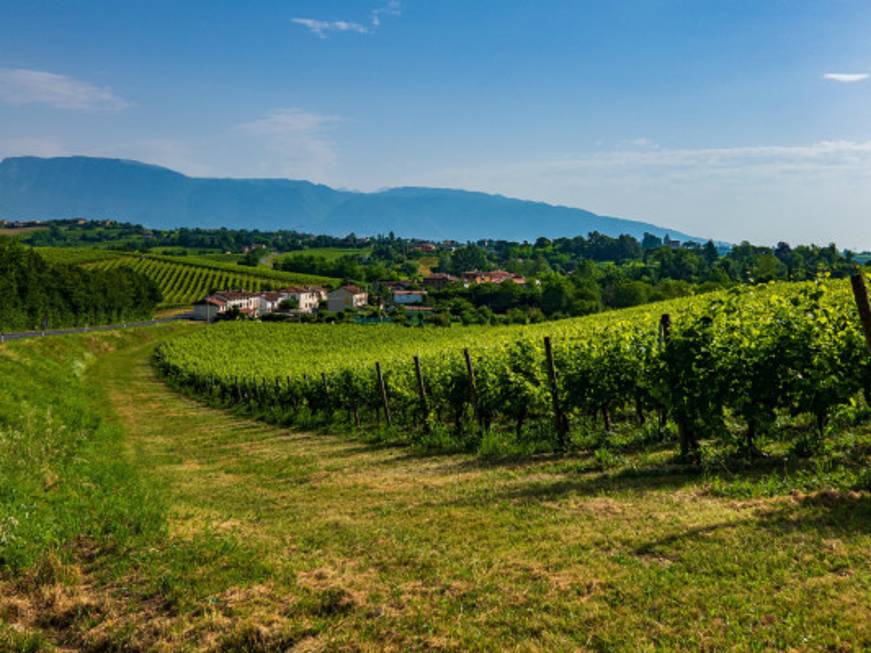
[731,120]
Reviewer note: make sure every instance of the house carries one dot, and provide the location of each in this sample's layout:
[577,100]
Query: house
[217,303]
[349,296]
[475,277]
[307,299]
[209,308]
[426,247]
[439,280]
[269,301]
[321,292]
[403,297]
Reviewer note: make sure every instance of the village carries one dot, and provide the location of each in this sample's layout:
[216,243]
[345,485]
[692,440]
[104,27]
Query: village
[392,296]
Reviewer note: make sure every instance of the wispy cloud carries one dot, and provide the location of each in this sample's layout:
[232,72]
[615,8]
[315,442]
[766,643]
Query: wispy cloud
[321,28]
[19,86]
[846,78]
[392,8]
[297,141]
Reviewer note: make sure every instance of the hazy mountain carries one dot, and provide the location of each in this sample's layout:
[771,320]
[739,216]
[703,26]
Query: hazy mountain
[36,188]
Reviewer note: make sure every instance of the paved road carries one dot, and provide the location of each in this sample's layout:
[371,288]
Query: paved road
[105,327]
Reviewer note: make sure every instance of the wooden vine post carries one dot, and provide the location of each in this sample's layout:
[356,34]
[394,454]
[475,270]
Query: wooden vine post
[383,389]
[473,387]
[559,419]
[421,391]
[860,293]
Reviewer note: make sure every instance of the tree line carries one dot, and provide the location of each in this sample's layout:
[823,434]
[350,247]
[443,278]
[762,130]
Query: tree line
[35,294]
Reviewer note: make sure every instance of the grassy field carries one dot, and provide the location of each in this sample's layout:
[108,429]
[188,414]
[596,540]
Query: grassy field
[152,522]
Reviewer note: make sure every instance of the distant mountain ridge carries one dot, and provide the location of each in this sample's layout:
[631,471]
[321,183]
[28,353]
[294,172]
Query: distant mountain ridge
[157,197]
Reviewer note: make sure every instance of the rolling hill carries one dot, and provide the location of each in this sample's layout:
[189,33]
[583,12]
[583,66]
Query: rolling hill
[64,187]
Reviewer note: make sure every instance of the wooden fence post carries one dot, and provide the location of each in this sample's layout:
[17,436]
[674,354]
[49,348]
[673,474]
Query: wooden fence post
[554,394]
[383,389]
[421,390]
[473,387]
[860,293]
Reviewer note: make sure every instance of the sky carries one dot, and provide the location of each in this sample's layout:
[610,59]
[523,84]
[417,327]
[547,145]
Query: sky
[731,120]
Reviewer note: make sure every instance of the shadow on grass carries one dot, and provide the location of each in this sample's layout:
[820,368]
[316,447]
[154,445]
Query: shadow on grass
[828,513]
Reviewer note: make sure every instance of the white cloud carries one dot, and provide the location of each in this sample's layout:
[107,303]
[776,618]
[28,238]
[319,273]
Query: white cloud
[297,141]
[846,78]
[392,8]
[320,28]
[19,86]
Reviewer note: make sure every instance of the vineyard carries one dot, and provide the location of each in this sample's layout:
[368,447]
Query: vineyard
[184,280]
[733,366]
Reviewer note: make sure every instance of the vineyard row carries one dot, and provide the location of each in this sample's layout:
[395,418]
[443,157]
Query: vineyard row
[749,357]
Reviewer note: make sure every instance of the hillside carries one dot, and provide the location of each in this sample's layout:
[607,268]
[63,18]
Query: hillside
[36,188]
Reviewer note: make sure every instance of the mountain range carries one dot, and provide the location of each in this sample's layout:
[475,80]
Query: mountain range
[157,197]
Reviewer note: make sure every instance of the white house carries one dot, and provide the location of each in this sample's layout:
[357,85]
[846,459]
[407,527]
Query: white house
[307,299]
[409,296]
[346,297]
[210,307]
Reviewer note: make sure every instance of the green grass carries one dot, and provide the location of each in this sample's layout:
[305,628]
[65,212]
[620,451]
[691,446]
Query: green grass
[262,539]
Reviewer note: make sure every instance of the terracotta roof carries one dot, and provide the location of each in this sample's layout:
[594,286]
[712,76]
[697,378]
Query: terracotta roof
[409,292]
[354,290]
[211,300]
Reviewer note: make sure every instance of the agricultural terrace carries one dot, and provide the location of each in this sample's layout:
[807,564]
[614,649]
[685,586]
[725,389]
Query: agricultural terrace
[776,363]
[186,279]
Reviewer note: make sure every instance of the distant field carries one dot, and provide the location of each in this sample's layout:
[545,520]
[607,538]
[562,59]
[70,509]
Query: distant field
[329,253]
[19,231]
[186,279]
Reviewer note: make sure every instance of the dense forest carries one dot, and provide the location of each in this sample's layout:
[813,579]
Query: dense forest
[35,294]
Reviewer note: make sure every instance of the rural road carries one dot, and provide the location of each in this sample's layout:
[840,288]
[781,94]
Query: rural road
[105,327]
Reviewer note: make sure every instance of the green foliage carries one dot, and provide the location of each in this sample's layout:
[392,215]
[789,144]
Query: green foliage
[35,294]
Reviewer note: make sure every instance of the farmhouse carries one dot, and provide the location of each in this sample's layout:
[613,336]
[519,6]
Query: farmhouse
[475,277]
[257,304]
[346,297]
[402,297]
[439,280]
[307,299]
[210,307]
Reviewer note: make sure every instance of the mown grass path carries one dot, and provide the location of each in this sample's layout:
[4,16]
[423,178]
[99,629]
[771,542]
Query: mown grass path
[289,540]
